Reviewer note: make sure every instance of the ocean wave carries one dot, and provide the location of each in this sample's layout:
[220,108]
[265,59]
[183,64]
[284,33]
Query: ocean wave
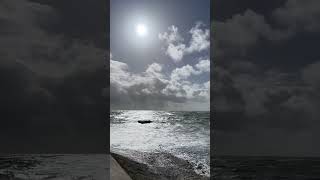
[54,166]
[184,135]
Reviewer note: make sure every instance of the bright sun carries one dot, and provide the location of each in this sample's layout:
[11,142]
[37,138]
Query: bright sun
[141,30]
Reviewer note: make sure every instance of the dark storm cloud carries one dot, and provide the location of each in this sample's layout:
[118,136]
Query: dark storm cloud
[248,29]
[265,80]
[237,35]
[299,15]
[261,94]
[311,74]
[262,102]
[52,81]
[84,19]
[222,10]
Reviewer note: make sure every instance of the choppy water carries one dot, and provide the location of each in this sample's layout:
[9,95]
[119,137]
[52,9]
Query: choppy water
[185,135]
[54,166]
[265,168]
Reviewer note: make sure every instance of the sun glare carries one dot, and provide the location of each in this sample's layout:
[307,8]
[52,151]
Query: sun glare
[141,30]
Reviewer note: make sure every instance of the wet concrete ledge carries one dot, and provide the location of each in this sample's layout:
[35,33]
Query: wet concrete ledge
[116,171]
[139,171]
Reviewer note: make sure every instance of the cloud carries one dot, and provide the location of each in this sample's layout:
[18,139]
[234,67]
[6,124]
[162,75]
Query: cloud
[183,73]
[154,89]
[200,39]
[243,85]
[176,52]
[311,74]
[203,65]
[186,71]
[51,80]
[48,54]
[241,32]
[264,93]
[175,46]
[299,15]
[174,41]
[155,70]
[267,98]
[119,75]
[244,31]
[172,36]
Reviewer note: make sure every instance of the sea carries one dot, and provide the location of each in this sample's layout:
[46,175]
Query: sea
[169,136]
[94,167]
[54,166]
[265,168]
[166,143]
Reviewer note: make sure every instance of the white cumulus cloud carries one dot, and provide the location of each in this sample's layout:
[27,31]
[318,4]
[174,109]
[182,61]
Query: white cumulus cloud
[176,49]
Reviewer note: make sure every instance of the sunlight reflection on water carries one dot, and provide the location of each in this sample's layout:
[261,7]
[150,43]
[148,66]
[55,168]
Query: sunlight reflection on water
[183,134]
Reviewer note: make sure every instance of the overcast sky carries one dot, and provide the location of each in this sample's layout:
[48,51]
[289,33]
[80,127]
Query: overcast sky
[168,68]
[266,77]
[52,76]
[265,73]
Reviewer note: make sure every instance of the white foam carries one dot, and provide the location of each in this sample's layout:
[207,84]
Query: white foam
[166,133]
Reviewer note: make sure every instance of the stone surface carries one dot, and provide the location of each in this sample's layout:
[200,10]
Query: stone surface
[116,171]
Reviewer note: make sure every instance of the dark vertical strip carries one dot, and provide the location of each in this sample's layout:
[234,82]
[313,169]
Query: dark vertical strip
[107,65]
[211,89]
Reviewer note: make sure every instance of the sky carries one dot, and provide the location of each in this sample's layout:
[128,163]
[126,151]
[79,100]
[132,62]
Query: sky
[264,71]
[168,68]
[53,95]
[265,77]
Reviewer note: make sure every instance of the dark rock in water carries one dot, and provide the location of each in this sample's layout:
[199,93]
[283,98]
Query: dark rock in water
[144,121]
[200,166]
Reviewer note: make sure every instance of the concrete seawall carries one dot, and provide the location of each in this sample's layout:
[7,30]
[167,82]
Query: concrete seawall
[116,171]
